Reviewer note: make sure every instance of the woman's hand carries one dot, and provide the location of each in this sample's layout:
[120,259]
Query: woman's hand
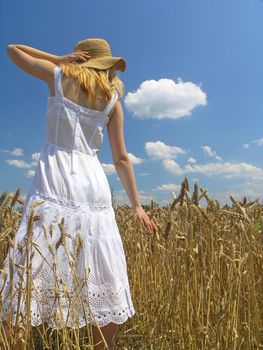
[145,222]
[75,56]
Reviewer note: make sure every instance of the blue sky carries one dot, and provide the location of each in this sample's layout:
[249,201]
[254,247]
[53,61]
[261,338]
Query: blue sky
[193,90]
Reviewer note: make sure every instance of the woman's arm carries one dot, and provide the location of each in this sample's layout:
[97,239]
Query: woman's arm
[37,67]
[124,167]
[40,63]
[120,156]
[77,55]
[36,53]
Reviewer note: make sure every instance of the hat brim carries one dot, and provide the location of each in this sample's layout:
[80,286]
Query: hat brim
[105,62]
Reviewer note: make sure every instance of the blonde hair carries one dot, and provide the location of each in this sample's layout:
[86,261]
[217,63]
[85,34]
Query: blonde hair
[93,80]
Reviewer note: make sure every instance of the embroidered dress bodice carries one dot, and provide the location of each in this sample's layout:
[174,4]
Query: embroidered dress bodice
[72,127]
[69,160]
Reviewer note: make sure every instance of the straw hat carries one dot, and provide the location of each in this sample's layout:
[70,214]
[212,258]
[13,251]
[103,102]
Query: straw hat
[100,52]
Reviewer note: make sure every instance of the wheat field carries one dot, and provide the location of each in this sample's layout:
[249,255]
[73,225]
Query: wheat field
[197,284]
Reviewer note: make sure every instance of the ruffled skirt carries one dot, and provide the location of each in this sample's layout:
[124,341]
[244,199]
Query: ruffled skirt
[66,272]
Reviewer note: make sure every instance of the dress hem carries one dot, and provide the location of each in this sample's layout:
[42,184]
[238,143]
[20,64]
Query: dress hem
[130,312]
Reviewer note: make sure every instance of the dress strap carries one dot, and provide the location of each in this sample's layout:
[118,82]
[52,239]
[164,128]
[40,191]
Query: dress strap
[57,81]
[109,106]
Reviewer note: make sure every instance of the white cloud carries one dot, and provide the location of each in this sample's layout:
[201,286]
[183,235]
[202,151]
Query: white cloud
[167,187]
[250,189]
[135,160]
[144,174]
[109,168]
[160,150]
[191,160]
[165,201]
[121,197]
[17,152]
[211,153]
[165,98]
[146,198]
[227,170]
[259,142]
[35,156]
[173,167]
[18,163]
[30,173]
[239,193]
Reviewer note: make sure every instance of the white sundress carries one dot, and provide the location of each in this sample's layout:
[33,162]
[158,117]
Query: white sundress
[71,183]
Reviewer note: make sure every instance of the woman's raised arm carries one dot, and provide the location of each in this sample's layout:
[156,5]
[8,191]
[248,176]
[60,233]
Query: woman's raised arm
[40,63]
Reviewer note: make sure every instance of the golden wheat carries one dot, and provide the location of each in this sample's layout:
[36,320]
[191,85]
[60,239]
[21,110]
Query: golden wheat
[197,284]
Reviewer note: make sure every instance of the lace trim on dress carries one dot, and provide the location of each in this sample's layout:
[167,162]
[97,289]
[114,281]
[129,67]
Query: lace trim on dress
[66,287]
[69,203]
[59,301]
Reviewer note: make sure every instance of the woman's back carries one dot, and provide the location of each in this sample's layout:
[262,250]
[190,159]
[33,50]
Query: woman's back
[73,91]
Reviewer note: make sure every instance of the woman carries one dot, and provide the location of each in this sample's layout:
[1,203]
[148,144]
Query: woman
[73,191]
